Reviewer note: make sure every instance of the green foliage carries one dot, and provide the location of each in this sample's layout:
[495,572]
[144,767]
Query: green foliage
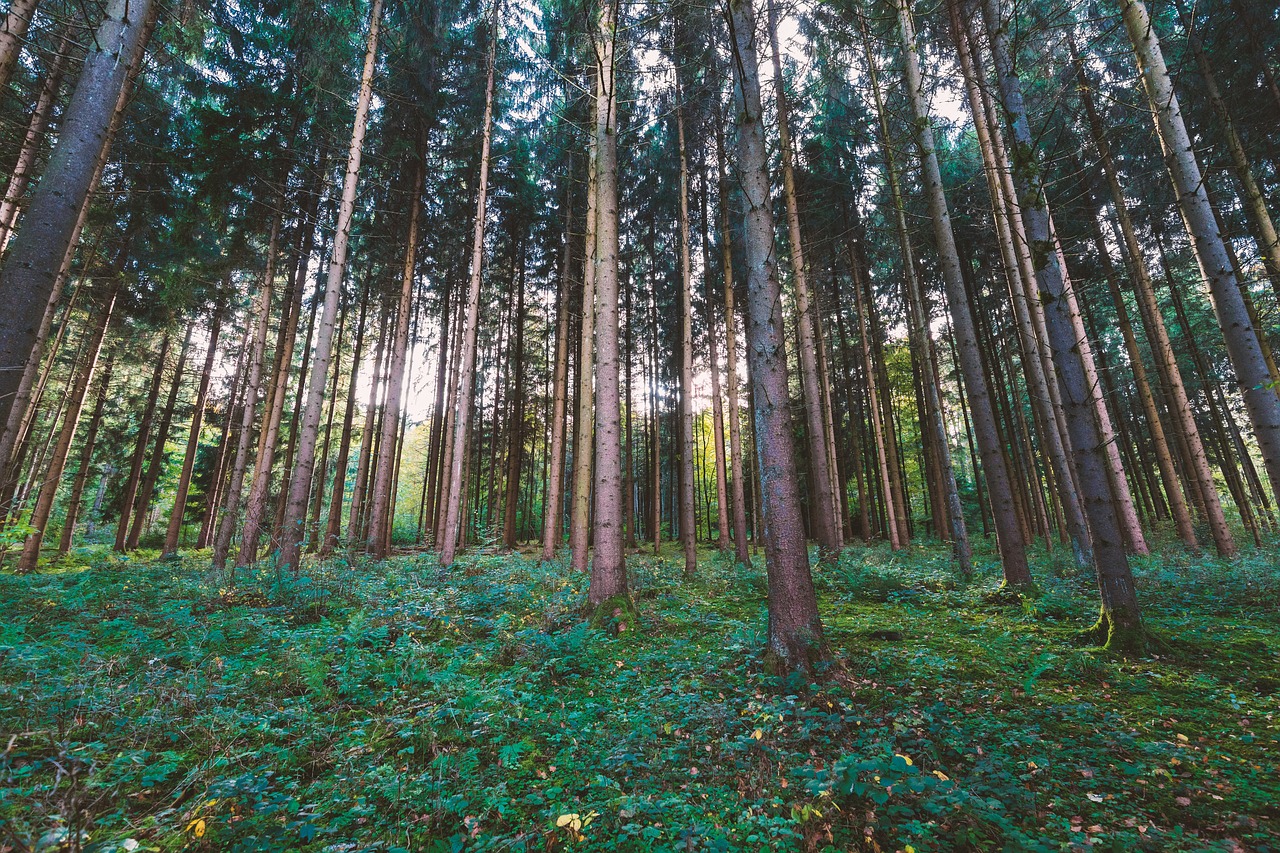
[398,707]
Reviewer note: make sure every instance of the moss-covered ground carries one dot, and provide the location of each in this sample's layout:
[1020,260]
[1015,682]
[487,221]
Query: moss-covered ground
[152,706]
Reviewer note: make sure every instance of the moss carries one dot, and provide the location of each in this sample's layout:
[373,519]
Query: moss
[616,614]
[1128,641]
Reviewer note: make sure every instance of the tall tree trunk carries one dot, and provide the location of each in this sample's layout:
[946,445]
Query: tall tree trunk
[1175,394]
[128,497]
[1009,535]
[13,33]
[607,592]
[1252,375]
[795,640]
[142,506]
[688,531]
[453,488]
[333,524]
[918,322]
[31,270]
[260,315]
[36,127]
[382,507]
[1120,622]
[86,460]
[364,459]
[515,415]
[823,511]
[584,419]
[1019,276]
[176,516]
[740,539]
[295,508]
[552,512]
[43,508]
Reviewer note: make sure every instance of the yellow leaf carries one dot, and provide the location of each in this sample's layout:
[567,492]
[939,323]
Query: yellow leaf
[573,821]
[905,758]
[943,776]
[908,849]
[1183,738]
[757,734]
[197,827]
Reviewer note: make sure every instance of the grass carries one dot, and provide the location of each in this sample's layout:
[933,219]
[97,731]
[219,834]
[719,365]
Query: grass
[148,706]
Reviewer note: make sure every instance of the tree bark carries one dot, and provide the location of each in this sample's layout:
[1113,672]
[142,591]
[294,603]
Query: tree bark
[1252,375]
[1009,535]
[142,506]
[174,531]
[688,526]
[86,461]
[43,508]
[292,528]
[454,487]
[795,640]
[31,271]
[130,493]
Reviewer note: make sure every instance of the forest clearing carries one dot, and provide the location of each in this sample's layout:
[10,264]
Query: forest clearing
[816,425]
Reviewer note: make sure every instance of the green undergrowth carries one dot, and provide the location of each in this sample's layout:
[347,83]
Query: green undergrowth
[150,706]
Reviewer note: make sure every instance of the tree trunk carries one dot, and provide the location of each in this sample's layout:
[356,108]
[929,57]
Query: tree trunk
[295,508]
[1009,535]
[333,525]
[36,127]
[823,511]
[86,460]
[515,415]
[454,486]
[53,476]
[1252,375]
[1181,417]
[607,593]
[261,313]
[130,493]
[29,276]
[382,507]
[14,32]
[1120,622]
[688,527]
[174,532]
[142,507]
[795,640]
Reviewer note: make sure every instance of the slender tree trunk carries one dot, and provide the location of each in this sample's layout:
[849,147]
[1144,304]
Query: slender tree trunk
[129,495]
[176,516]
[12,35]
[142,506]
[333,525]
[515,417]
[607,593]
[740,538]
[261,316]
[300,482]
[584,420]
[795,640]
[825,526]
[364,460]
[553,516]
[30,273]
[36,127]
[382,507]
[213,498]
[453,489]
[1009,534]
[53,476]
[314,537]
[919,326]
[1120,621]
[1252,375]
[688,531]
[1167,369]
[86,460]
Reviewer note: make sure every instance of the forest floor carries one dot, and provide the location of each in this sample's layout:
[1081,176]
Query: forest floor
[152,706]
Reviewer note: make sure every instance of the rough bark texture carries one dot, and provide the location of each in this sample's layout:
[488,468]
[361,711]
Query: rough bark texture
[1252,375]
[1009,537]
[86,461]
[37,253]
[1115,581]
[146,491]
[688,524]
[795,640]
[552,517]
[608,591]
[292,527]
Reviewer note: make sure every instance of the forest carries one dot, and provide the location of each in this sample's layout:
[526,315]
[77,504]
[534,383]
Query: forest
[749,425]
